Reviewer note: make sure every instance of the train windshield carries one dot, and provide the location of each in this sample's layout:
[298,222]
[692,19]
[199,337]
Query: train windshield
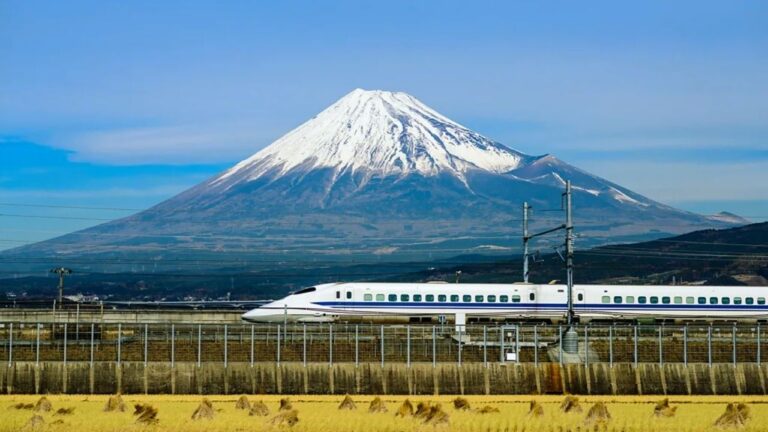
[305,290]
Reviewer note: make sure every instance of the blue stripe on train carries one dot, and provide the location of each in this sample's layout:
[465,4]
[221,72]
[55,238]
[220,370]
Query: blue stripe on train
[537,306]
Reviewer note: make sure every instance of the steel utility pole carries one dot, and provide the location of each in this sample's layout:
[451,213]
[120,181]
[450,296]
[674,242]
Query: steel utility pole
[569,248]
[61,271]
[526,208]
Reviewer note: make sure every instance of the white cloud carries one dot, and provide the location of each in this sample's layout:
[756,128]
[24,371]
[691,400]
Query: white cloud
[175,145]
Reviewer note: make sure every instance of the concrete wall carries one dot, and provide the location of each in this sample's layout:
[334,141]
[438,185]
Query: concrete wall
[371,378]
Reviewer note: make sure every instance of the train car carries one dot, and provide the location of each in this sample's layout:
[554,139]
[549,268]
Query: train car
[459,303]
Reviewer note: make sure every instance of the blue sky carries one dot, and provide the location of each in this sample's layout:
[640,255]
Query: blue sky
[123,104]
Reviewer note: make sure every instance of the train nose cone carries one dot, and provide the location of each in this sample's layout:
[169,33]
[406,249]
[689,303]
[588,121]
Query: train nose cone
[256,315]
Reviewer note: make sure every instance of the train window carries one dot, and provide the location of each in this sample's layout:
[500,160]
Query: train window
[678,300]
[430,297]
[454,298]
[642,300]
[417,297]
[749,300]
[442,298]
[606,299]
[338,294]
[466,298]
[515,298]
[479,298]
[491,299]
[349,295]
[713,300]
[368,297]
[305,290]
[726,300]
[392,297]
[580,297]
[531,296]
[761,300]
[379,297]
[617,299]
[665,300]
[737,300]
[654,300]
[630,299]
[404,297]
[503,299]
[689,300]
[702,300]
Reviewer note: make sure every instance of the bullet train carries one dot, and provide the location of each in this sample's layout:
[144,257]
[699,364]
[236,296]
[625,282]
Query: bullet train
[460,303]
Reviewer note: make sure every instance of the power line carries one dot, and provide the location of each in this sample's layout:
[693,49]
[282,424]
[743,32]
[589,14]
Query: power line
[69,207]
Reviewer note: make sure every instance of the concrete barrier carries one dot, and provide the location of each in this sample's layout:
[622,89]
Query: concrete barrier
[372,378]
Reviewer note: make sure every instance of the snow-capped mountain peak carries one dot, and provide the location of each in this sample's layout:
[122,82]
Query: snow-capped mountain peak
[380,133]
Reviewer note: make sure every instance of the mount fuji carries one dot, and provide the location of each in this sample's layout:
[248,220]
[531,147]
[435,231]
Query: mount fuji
[376,174]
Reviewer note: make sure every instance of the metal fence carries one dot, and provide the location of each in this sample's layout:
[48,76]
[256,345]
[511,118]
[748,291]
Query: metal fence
[364,343]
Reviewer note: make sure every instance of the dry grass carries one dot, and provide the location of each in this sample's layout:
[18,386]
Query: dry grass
[115,403]
[663,409]
[570,404]
[405,410]
[535,409]
[461,403]
[377,406]
[43,405]
[347,404]
[259,409]
[204,411]
[166,413]
[243,403]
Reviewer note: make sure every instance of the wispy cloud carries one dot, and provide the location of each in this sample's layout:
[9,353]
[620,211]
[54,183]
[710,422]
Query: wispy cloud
[170,145]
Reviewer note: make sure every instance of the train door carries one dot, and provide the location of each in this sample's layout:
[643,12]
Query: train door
[533,296]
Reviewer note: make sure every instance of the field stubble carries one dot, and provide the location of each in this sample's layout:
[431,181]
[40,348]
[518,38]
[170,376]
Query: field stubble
[321,413]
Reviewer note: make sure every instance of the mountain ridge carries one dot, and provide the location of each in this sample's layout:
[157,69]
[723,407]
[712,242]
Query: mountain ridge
[376,172]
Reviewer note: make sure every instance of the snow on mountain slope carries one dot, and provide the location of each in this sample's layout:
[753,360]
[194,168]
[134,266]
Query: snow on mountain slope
[380,133]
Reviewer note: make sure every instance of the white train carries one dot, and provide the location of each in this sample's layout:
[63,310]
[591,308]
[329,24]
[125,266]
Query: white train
[424,302]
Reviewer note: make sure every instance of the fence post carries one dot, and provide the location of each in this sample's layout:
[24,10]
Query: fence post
[434,347]
[502,357]
[37,344]
[304,345]
[685,345]
[709,345]
[119,343]
[357,346]
[635,345]
[586,345]
[517,343]
[485,346]
[173,346]
[92,337]
[733,343]
[330,344]
[536,344]
[252,344]
[610,345]
[460,338]
[199,344]
[10,344]
[758,344]
[65,343]
[278,345]
[661,346]
[408,345]
[382,346]
[560,353]
[146,342]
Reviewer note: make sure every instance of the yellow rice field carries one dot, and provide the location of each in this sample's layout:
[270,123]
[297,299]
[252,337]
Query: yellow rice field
[320,413]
